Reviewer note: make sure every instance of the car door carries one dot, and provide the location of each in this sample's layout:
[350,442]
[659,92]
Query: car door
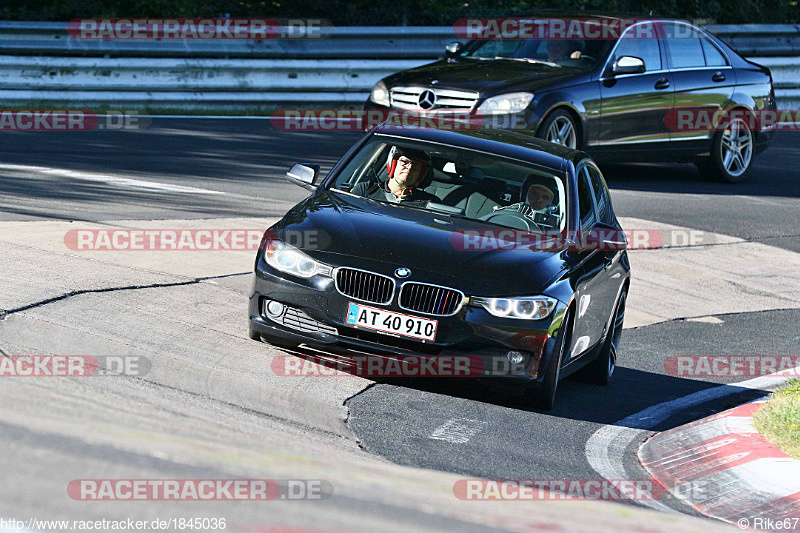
[588,274]
[612,277]
[704,81]
[633,105]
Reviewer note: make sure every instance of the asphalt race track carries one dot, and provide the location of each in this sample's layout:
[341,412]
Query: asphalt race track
[211,405]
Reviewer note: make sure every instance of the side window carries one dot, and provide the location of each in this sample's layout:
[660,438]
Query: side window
[637,43]
[685,48]
[601,196]
[586,207]
[714,57]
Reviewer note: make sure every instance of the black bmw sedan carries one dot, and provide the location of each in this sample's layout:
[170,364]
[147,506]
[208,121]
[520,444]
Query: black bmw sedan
[476,254]
[615,98]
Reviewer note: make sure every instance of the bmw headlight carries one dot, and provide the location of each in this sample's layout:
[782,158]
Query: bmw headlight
[289,259]
[505,104]
[525,308]
[380,94]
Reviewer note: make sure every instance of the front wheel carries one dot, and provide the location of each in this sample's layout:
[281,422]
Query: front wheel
[601,369]
[545,396]
[731,153]
[559,128]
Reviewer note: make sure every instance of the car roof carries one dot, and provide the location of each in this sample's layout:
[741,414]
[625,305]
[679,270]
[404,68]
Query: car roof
[523,146]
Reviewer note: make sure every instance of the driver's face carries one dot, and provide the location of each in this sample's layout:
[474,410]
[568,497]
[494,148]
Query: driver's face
[539,197]
[408,172]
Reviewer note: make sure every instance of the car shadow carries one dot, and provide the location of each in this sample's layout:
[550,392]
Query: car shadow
[631,391]
[774,173]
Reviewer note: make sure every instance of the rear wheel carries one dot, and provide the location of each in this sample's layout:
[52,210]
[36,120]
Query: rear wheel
[731,153]
[545,396]
[602,369]
[559,128]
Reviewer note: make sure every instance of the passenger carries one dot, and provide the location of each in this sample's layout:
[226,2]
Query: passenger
[406,168]
[537,194]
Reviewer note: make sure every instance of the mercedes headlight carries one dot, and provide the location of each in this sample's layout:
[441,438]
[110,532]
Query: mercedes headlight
[380,94]
[505,104]
[289,259]
[525,308]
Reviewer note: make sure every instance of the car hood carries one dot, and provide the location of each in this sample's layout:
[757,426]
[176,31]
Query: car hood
[350,231]
[486,76]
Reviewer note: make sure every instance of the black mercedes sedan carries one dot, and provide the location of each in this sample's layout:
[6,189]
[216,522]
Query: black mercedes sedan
[616,98]
[433,243]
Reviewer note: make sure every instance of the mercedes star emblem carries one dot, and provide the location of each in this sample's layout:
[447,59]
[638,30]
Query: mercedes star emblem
[427,99]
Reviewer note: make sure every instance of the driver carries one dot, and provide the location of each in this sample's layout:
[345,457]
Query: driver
[405,168]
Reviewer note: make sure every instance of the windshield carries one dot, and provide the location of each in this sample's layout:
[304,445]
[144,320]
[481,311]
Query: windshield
[578,53]
[456,182]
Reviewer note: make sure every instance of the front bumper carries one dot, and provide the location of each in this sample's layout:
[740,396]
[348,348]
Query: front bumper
[471,332]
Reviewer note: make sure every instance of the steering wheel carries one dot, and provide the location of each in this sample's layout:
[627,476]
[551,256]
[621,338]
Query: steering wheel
[512,219]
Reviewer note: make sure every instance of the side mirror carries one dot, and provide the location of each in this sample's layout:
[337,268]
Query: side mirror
[303,175]
[453,49]
[628,65]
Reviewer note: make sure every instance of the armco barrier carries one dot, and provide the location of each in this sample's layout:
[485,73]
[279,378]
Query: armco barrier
[41,65]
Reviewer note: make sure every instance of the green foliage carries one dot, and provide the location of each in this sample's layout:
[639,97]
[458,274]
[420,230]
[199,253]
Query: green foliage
[398,12]
[779,419]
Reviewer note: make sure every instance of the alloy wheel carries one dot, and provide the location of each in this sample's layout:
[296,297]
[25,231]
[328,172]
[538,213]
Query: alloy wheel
[736,147]
[562,131]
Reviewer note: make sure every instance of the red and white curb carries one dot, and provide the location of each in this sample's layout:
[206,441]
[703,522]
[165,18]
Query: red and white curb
[725,469]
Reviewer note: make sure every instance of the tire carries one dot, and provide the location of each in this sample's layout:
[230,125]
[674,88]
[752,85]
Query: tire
[732,152]
[601,370]
[544,398]
[559,127]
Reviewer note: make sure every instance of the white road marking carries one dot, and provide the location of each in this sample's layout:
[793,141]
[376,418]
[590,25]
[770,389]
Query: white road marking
[458,430]
[108,179]
[706,319]
[605,448]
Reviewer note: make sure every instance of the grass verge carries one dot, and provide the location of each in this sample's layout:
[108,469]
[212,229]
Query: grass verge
[779,419]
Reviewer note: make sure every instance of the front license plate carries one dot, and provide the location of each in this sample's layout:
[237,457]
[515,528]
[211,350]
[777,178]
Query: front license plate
[391,322]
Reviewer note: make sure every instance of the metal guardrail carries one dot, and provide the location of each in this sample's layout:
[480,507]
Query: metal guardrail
[760,40]
[41,64]
[377,42]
